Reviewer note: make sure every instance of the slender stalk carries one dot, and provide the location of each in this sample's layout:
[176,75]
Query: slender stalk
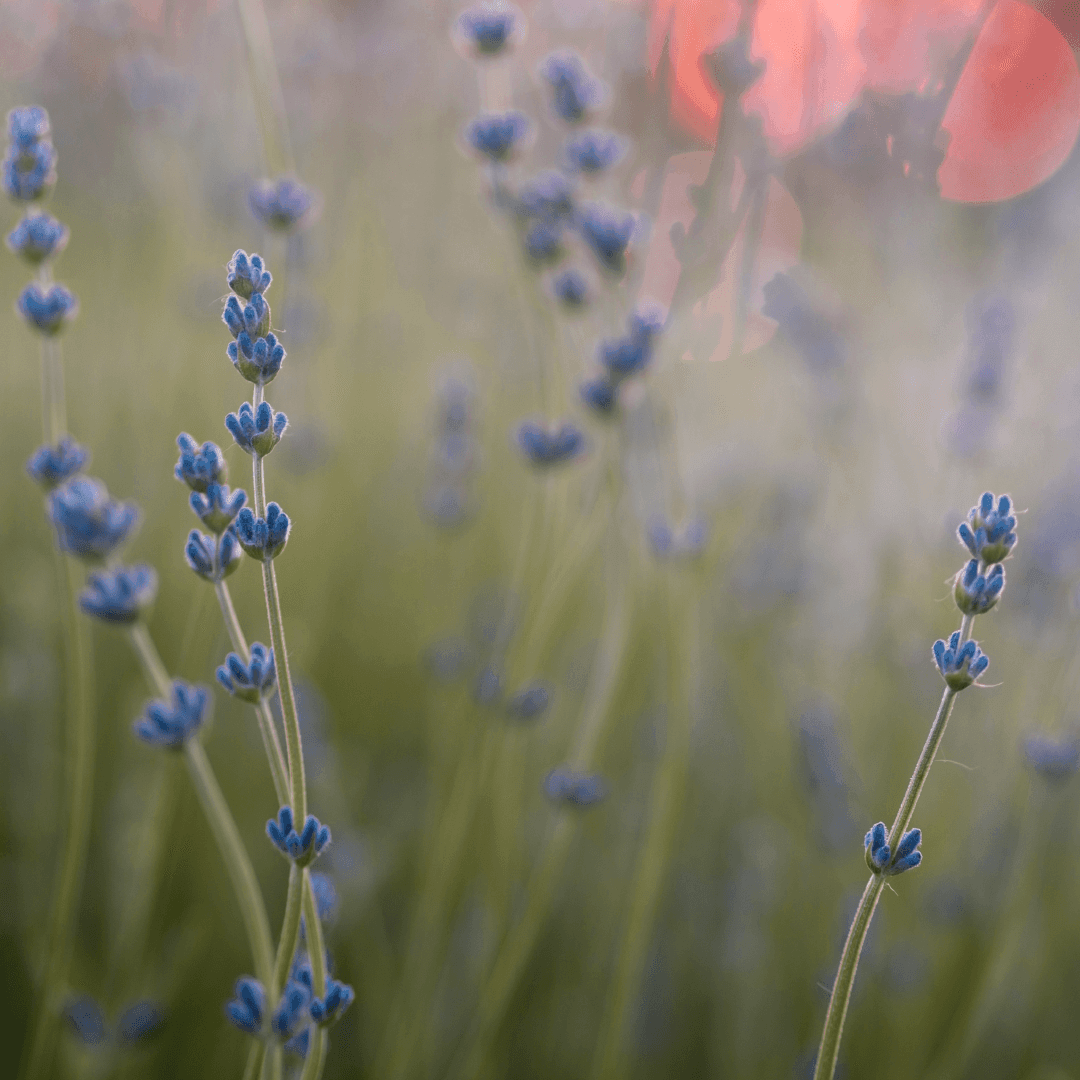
[80,739]
[664,809]
[267,728]
[316,1058]
[266,87]
[286,695]
[290,931]
[237,864]
[256,1056]
[236,859]
[513,955]
[829,1049]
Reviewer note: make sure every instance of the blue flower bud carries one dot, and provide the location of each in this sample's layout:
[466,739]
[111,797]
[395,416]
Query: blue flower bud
[906,857]
[86,1019]
[89,523]
[256,431]
[594,151]
[877,848]
[549,194]
[989,532]
[301,847]
[529,702]
[564,785]
[217,508]
[263,538]
[731,68]
[119,595]
[252,318]
[328,1010]
[47,309]
[647,320]
[27,126]
[976,593]
[199,466]
[213,558]
[292,1011]
[299,1044]
[546,447]
[488,29]
[498,136]
[960,665]
[51,466]
[575,92]
[139,1021]
[259,359]
[666,543]
[38,237]
[624,356]
[171,724]
[1052,758]
[247,275]
[249,682]
[282,203]
[543,241]
[247,1007]
[27,174]
[608,232]
[571,288]
[600,394]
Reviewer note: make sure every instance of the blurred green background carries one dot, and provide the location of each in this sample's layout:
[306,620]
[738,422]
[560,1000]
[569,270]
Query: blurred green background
[797,652]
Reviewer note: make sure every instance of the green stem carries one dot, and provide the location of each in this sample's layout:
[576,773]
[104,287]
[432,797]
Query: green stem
[515,951]
[829,1049]
[665,805]
[256,1055]
[80,783]
[286,695]
[316,1058]
[290,931]
[266,87]
[267,728]
[236,859]
[237,864]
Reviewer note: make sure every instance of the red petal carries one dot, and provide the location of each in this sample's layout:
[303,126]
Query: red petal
[1015,114]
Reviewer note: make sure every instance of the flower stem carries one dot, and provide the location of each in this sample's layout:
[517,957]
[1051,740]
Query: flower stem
[290,931]
[255,1060]
[80,784]
[665,806]
[266,87]
[286,695]
[237,864]
[316,1058]
[267,728]
[236,858]
[849,959]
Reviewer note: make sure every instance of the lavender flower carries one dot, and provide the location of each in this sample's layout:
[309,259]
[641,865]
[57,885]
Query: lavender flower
[170,724]
[283,203]
[38,237]
[498,136]
[256,431]
[47,309]
[119,595]
[89,523]
[576,93]
[250,682]
[301,847]
[51,466]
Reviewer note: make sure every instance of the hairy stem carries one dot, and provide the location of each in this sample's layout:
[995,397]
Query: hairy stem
[286,695]
[316,1058]
[290,931]
[237,864]
[829,1049]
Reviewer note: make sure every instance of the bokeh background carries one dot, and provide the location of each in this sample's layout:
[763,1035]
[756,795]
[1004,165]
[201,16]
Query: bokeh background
[831,466]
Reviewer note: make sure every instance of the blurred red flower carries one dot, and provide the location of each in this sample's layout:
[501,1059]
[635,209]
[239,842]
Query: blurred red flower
[1012,118]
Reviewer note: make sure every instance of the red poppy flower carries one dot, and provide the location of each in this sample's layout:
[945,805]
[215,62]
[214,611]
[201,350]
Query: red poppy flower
[1012,119]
